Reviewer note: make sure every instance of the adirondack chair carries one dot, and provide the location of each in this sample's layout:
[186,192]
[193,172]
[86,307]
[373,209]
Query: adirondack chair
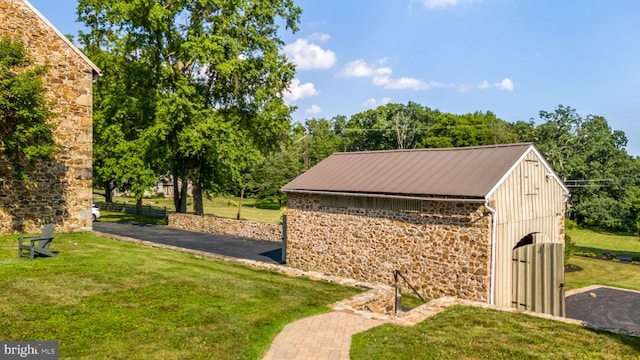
[39,243]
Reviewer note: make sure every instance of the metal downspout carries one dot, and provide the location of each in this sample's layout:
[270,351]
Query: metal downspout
[494,223]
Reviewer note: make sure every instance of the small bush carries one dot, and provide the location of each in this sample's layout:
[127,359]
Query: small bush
[267,205]
[570,224]
[585,254]
[569,247]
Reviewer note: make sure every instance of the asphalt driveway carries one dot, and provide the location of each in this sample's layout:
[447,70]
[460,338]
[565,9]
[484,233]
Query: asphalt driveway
[606,308]
[241,248]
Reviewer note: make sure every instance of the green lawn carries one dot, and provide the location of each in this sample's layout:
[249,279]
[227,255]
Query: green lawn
[105,299]
[601,272]
[225,207]
[474,333]
[118,216]
[590,241]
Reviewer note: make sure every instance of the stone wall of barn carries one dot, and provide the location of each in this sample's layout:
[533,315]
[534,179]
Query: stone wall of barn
[60,191]
[229,227]
[442,248]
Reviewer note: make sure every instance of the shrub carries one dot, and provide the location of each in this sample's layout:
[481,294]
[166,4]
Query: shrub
[585,254]
[267,205]
[570,224]
[569,247]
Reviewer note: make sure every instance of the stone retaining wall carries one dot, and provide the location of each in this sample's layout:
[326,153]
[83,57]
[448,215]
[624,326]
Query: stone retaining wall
[214,225]
[442,250]
[60,190]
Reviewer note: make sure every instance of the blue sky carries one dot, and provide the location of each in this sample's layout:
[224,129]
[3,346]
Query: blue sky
[511,57]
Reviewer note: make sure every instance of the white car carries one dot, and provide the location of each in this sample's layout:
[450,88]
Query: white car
[95,212]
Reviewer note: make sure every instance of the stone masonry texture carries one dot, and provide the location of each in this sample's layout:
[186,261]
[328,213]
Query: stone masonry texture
[442,250]
[229,227]
[60,191]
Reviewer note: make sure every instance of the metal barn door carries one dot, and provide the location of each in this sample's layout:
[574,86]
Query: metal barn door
[538,278]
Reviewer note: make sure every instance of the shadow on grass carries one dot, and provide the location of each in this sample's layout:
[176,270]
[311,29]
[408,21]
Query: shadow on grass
[632,341]
[108,216]
[598,252]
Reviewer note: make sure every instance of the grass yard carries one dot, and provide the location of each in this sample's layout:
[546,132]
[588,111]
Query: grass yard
[118,216]
[225,207]
[105,299]
[474,333]
[601,272]
[590,241]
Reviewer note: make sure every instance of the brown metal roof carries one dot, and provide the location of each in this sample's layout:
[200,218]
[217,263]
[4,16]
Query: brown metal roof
[469,172]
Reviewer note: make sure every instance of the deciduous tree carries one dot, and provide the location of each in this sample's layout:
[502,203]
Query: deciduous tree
[25,133]
[219,77]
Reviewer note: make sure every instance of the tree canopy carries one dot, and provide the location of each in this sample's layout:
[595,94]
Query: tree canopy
[587,154]
[591,158]
[193,90]
[213,78]
[25,133]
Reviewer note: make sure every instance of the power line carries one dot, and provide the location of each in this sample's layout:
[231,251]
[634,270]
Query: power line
[427,127]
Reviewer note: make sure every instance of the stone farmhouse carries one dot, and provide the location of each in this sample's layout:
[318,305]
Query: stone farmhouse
[60,191]
[450,220]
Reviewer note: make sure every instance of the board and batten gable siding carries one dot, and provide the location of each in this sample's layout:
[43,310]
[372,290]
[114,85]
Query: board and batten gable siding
[530,199]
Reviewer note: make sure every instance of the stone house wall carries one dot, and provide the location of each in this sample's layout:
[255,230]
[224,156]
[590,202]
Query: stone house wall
[60,191]
[229,227]
[443,249]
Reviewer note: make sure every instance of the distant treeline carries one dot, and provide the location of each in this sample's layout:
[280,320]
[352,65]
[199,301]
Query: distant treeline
[586,153]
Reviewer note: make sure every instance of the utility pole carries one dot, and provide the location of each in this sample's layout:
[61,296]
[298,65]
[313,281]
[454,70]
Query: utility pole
[306,150]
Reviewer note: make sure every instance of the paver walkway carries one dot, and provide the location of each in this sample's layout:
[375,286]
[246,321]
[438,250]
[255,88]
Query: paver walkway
[320,337]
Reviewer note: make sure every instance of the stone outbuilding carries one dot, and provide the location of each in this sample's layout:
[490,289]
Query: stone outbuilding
[448,219]
[60,191]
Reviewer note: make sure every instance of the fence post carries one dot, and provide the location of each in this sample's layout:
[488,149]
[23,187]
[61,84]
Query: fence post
[284,238]
[396,303]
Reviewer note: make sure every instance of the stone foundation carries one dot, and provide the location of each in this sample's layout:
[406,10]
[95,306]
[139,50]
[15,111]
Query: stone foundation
[443,249]
[229,227]
[60,191]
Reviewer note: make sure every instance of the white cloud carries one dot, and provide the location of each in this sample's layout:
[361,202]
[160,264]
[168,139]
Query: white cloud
[463,88]
[484,85]
[297,91]
[314,109]
[316,36]
[406,83]
[402,83]
[372,103]
[359,68]
[506,84]
[434,4]
[307,56]
[382,76]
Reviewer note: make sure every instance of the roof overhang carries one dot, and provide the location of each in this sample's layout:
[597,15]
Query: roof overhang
[550,173]
[96,69]
[388,196]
